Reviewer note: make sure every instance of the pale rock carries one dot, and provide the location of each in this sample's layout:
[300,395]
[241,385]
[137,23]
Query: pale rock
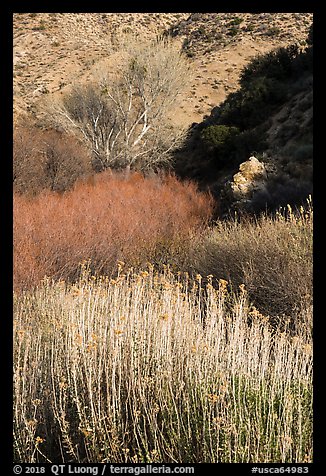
[250,178]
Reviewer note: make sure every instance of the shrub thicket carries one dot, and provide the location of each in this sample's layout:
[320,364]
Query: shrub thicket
[277,64]
[46,160]
[105,219]
[250,107]
[217,136]
[265,82]
[140,220]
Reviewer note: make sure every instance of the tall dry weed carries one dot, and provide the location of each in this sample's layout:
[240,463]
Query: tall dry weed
[272,255]
[125,371]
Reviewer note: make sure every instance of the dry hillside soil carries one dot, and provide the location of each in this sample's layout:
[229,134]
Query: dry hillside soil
[54,50]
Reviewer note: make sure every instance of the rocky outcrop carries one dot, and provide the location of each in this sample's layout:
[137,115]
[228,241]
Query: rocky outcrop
[252,177]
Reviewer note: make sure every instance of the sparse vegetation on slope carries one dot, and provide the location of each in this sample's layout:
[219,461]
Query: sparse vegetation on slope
[77,44]
[206,32]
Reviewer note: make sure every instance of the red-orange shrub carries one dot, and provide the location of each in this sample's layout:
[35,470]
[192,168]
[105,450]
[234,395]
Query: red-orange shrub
[110,217]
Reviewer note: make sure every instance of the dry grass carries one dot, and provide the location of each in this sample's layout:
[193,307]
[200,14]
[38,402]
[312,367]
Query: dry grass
[125,371]
[271,255]
[153,366]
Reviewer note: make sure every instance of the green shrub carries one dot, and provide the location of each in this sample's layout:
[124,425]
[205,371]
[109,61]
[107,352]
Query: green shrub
[236,21]
[275,64]
[216,136]
[250,27]
[273,31]
[234,30]
[252,104]
[249,142]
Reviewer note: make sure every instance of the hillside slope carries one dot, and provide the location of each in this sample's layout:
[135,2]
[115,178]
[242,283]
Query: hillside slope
[53,50]
[264,110]
[270,116]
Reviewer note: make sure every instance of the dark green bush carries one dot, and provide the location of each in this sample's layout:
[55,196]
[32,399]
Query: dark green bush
[234,30]
[249,142]
[216,136]
[251,105]
[276,64]
[250,27]
[236,21]
[228,146]
[273,31]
